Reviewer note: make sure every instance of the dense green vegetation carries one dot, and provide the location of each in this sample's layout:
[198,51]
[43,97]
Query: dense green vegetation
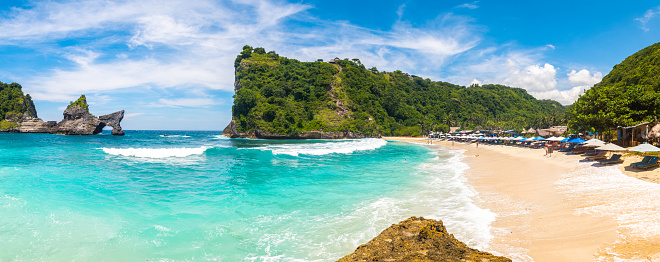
[13,103]
[285,96]
[81,102]
[628,95]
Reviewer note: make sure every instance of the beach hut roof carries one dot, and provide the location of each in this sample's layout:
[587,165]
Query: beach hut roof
[611,147]
[655,131]
[531,131]
[645,148]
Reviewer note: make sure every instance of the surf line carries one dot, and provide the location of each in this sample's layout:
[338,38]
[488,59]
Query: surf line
[591,233]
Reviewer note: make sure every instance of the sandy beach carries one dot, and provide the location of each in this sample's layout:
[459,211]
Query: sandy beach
[560,207]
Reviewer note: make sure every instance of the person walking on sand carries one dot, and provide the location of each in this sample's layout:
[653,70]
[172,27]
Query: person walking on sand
[477,143]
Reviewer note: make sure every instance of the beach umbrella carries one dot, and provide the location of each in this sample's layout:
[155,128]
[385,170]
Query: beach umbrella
[523,140]
[577,140]
[565,139]
[594,143]
[559,138]
[611,147]
[538,138]
[646,147]
[594,140]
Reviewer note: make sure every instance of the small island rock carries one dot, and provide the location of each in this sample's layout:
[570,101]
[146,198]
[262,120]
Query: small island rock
[418,239]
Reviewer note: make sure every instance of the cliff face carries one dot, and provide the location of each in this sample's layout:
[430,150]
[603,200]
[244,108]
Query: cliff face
[418,239]
[76,121]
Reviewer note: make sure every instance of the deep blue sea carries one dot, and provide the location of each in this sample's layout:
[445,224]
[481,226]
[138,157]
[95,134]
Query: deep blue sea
[198,196]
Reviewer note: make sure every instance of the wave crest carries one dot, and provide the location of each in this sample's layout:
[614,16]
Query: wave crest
[155,152]
[325,148]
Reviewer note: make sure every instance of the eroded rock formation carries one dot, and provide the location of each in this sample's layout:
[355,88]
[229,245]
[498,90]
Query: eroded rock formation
[76,121]
[418,239]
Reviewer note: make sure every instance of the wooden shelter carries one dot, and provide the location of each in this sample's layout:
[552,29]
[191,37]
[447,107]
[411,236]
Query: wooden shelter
[633,135]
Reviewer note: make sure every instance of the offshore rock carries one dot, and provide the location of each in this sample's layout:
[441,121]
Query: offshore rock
[76,121]
[232,132]
[418,239]
[113,121]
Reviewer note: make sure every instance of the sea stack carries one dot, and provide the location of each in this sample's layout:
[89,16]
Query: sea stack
[418,239]
[78,121]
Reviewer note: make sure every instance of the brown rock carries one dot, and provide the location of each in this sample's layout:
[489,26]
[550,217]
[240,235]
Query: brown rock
[418,239]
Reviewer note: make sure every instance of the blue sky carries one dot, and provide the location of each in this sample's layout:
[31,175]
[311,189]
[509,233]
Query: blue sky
[169,64]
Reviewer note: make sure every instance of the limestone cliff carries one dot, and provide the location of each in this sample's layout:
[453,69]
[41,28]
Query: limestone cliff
[418,239]
[77,120]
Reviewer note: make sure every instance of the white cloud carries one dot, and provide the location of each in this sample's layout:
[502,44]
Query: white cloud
[132,115]
[472,5]
[564,97]
[477,82]
[533,78]
[648,15]
[584,77]
[185,102]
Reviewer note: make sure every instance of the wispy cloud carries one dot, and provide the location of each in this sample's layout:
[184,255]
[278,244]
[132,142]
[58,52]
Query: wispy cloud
[153,46]
[472,5]
[648,15]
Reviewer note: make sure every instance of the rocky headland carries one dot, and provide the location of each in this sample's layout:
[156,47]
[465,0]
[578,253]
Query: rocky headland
[418,239]
[77,121]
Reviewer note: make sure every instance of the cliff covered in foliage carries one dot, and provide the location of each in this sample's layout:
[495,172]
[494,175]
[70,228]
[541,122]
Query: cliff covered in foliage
[14,105]
[278,97]
[20,116]
[629,94]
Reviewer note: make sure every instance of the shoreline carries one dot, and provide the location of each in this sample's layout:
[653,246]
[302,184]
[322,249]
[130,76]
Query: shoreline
[545,211]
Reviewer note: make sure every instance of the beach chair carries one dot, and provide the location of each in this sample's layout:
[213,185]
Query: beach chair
[592,153]
[579,150]
[599,156]
[644,161]
[567,149]
[539,145]
[653,162]
[616,158]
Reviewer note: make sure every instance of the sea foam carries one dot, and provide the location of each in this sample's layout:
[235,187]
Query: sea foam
[155,152]
[325,148]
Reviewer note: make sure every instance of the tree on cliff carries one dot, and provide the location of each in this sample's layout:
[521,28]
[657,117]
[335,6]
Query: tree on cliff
[285,96]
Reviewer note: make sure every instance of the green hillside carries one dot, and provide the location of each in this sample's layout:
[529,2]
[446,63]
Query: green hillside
[14,105]
[285,96]
[629,94]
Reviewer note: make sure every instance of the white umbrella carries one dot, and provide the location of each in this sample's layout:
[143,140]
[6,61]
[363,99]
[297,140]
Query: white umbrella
[611,147]
[594,140]
[645,148]
[594,143]
[559,138]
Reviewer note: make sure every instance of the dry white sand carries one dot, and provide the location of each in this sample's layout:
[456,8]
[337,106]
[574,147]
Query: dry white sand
[561,208]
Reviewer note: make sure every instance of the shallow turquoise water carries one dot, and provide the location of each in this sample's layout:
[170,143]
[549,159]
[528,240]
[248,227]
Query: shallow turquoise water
[197,196]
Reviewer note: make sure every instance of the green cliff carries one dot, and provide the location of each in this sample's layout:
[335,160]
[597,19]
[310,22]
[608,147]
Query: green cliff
[629,94]
[14,105]
[278,97]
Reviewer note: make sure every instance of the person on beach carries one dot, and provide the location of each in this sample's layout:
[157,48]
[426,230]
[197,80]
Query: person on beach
[477,144]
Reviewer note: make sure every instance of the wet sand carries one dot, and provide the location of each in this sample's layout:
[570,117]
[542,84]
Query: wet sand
[554,208]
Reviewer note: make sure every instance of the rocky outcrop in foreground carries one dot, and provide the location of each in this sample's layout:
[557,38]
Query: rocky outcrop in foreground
[418,239]
[232,132]
[77,121]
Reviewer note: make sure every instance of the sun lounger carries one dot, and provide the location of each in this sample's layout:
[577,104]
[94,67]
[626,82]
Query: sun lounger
[539,145]
[592,153]
[579,150]
[567,149]
[644,161]
[616,158]
[651,163]
[599,156]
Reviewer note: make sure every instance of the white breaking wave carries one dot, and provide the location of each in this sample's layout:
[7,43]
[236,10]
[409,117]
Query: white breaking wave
[174,136]
[220,137]
[155,152]
[325,148]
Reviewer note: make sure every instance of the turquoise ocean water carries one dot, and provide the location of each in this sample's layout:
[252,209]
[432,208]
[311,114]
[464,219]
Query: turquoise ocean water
[198,196]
